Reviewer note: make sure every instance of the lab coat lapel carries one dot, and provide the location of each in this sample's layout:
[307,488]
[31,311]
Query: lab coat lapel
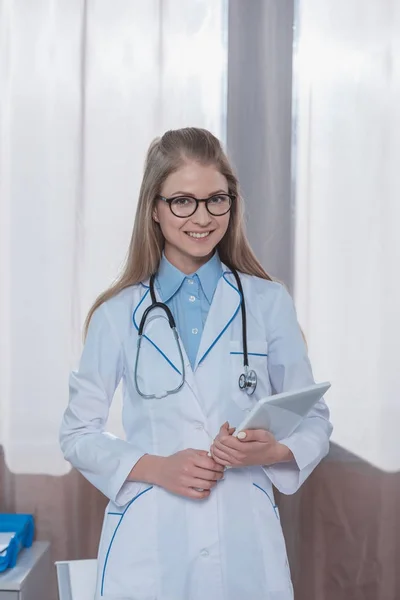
[224,308]
[158,332]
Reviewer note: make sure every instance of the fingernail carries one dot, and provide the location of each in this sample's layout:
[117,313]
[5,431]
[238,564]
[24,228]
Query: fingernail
[242,435]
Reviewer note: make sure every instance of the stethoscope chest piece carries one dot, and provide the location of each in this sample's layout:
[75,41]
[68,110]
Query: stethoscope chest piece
[248,381]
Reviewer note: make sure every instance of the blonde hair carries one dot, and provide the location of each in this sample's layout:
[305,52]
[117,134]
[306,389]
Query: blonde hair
[165,156]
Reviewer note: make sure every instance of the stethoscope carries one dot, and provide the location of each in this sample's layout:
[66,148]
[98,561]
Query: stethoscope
[247,380]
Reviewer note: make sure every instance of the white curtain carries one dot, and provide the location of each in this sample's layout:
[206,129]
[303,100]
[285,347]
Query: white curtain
[84,87]
[347,158]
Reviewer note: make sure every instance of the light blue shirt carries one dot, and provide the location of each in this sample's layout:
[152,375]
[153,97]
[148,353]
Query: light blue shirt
[189,298]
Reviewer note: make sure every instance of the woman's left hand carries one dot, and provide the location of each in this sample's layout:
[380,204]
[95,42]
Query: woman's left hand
[252,447]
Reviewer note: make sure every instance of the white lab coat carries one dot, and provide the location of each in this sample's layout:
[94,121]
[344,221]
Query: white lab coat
[158,546]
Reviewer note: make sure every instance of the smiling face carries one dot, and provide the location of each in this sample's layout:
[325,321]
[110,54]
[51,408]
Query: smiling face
[190,241]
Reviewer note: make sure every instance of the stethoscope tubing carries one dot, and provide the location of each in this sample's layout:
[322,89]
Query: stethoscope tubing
[248,379]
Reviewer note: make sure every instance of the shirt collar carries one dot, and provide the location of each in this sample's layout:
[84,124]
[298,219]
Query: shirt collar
[170,279]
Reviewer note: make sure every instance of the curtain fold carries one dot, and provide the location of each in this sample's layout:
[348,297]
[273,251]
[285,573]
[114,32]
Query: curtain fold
[347,215]
[86,85]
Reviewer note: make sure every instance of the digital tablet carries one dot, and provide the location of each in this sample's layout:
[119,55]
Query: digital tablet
[282,413]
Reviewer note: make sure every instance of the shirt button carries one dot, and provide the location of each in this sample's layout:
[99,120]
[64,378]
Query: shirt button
[192,298]
[204,553]
[190,281]
[195,331]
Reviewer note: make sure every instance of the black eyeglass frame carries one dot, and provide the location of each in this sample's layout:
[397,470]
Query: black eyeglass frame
[169,201]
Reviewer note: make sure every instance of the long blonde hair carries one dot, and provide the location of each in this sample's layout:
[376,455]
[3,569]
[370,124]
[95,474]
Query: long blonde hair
[165,156]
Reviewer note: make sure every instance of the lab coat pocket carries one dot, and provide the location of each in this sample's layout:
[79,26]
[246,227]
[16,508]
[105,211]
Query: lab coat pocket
[271,536]
[258,362]
[127,549]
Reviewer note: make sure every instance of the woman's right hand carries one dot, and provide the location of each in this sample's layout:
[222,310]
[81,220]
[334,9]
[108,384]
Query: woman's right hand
[187,472]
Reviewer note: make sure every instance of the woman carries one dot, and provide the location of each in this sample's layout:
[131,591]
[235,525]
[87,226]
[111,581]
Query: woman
[178,525]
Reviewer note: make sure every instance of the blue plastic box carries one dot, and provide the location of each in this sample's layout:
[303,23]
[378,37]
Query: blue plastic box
[24,528]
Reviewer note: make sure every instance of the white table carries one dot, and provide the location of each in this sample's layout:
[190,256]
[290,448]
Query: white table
[30,578]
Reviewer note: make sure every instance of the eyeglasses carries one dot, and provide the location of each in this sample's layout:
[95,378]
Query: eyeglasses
[186,206]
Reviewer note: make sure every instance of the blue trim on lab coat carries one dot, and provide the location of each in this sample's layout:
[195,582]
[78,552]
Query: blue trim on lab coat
[114,534]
